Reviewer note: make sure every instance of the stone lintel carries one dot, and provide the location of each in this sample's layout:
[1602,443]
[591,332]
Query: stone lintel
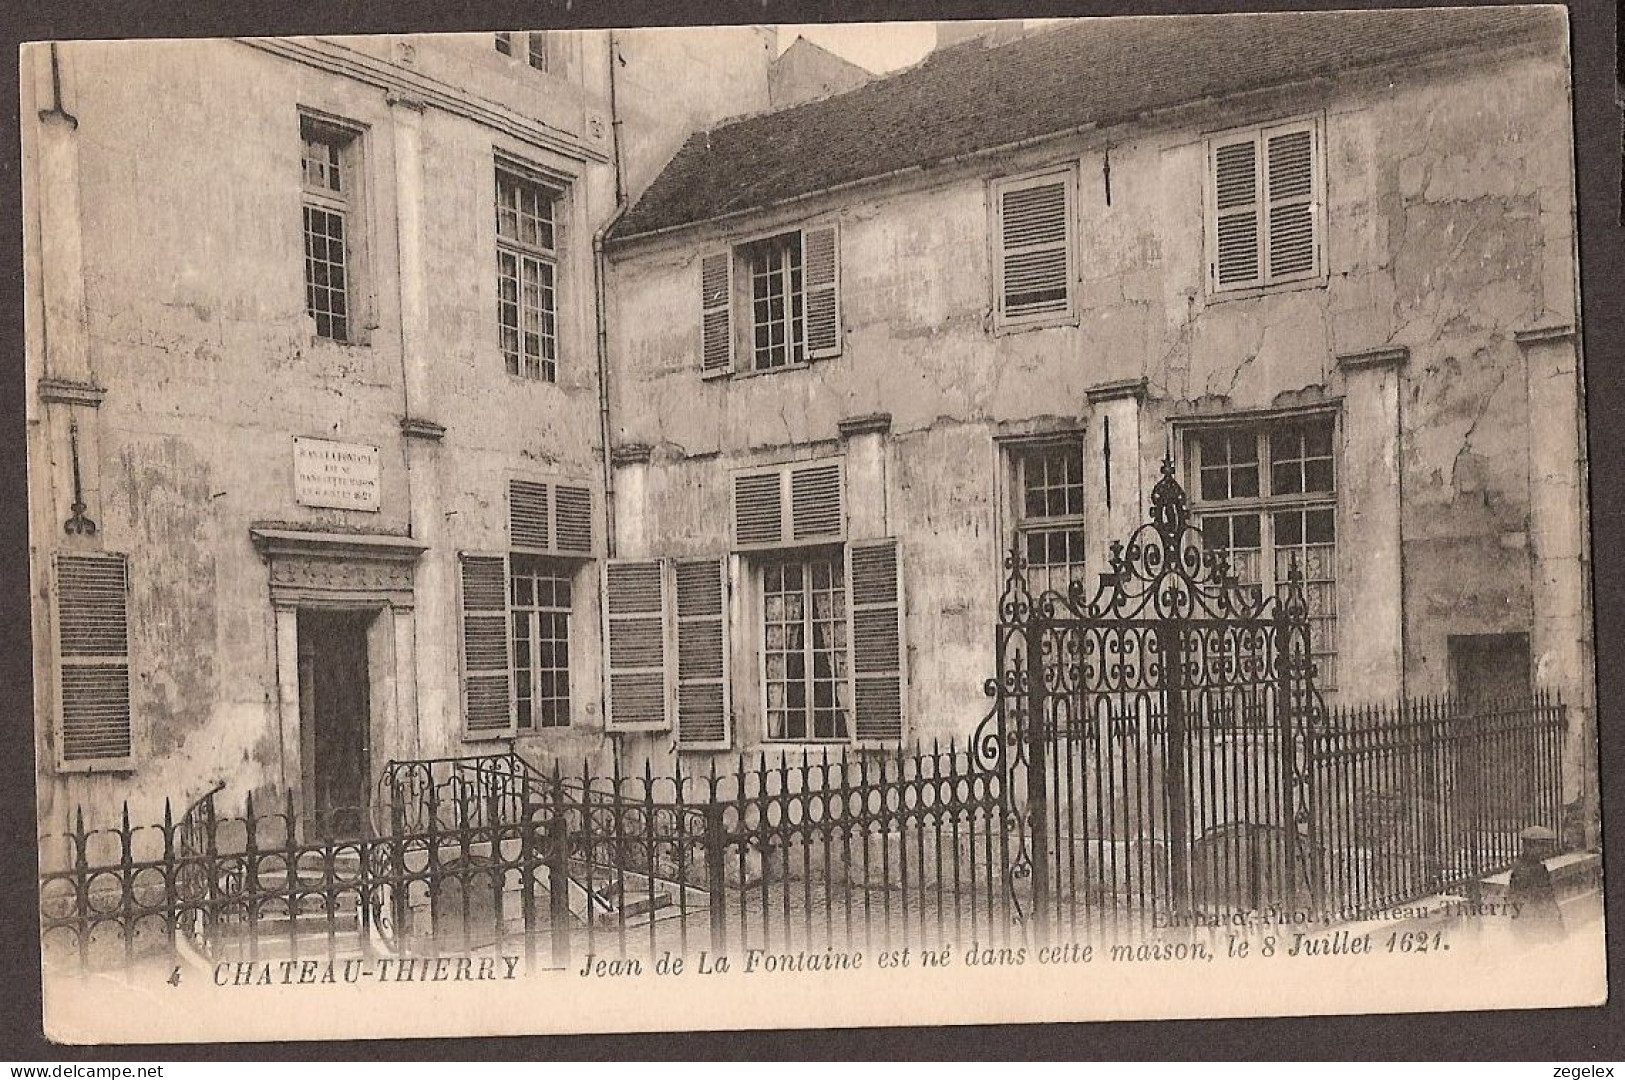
[868,424]
[68,392]
[1385,356]
[1542,334]
[416,427]
[374,547]
[1117,390]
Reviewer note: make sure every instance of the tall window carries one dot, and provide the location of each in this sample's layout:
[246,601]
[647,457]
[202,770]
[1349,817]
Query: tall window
[805,648]
[539,605]
[1048,496]
[527,298]
[328,178]
[1264,198]
[777,324]
[504,42]
[1266,495]
[1034,268]
[536,49]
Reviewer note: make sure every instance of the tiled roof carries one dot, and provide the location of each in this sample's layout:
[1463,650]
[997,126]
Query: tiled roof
[972,97]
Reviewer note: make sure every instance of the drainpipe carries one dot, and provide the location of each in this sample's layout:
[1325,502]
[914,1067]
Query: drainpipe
[600,265]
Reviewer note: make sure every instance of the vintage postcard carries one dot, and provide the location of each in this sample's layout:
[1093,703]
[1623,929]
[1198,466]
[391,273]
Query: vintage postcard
[768,526]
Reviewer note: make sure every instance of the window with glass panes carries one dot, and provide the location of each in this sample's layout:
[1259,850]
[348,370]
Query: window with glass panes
[536,49]
[778,329]
[1048,496]
[326,181]
[1266,495]
[527,297]
[539,605]
[804,648]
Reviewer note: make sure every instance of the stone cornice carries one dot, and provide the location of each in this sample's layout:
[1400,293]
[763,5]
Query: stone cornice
[416,427]
[1117,390]
[1386,356]
[630,454]
[868,424]
[1541,334]
[68,392]
[403,83]
[372,547]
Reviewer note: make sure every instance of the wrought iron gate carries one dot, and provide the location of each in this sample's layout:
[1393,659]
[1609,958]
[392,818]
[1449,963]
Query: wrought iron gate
[1154,736]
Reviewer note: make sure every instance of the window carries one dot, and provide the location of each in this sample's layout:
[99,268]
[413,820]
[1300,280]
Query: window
[788,309]
[804,648]
[1266,495]
[1047,487]
[93,655]
[527,297]
[536,45]
[536,49]
[329,179]
[1034,263]
[1264,198]
[504,43]
[539,605]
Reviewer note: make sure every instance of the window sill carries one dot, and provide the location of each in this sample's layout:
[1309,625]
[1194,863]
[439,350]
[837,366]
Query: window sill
[1219,296]
[756,373]
[100,768]
[1003,327]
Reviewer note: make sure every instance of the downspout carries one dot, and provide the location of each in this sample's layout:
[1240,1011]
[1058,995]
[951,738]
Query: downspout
[600,265]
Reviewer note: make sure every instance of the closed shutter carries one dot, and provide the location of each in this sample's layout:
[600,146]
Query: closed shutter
[93,643]
[821,269]
[1236,228]
[488,709]
[874,571]
[802,503]
[572,522]
[716,326]
[528,518]
[701,602]
[635,642]
[1034,267]
[1292,227]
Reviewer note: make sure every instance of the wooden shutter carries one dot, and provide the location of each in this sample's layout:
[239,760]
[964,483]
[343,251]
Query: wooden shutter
[874,572]
[635,644]
[1034,270]
[1291,226]
[528,518]
[716,325]
[572,522]
[821,271]
[488,707]
[1236,232]
[758,509]
[700,590]
[817,505]
[93,643]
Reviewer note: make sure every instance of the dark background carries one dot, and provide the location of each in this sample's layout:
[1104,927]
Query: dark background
[1573,1035]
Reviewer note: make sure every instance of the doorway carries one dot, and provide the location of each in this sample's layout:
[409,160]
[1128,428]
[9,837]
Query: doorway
[334,705]
[1489,667]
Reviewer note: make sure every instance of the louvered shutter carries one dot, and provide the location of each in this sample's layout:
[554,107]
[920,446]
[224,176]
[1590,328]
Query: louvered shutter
[821,271]
[488,708]
[874,571]
[572,522]
[700,597]
[1236,233]
[93,644]
[1292,227]
[716,325]
[758,509]
[817,505]
[528,517]
[635,643]
[1034,268]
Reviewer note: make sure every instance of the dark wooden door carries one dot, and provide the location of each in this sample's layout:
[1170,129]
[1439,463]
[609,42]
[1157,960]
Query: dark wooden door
[333,671]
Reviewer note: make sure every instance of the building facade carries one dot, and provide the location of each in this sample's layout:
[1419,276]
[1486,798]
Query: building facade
[313,368]
[864,347]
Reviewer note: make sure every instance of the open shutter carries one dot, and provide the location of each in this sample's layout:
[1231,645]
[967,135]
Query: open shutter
[635,643]
[817,503]
[1292,228]
[1236,236]
[701,601]
[874,571]
[821,269]
[93,643]
[528,503]
[572,521]
[716,326]
[488,708]
[758,509]
[1033,266]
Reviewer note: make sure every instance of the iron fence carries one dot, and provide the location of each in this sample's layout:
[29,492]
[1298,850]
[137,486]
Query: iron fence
[492,855]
